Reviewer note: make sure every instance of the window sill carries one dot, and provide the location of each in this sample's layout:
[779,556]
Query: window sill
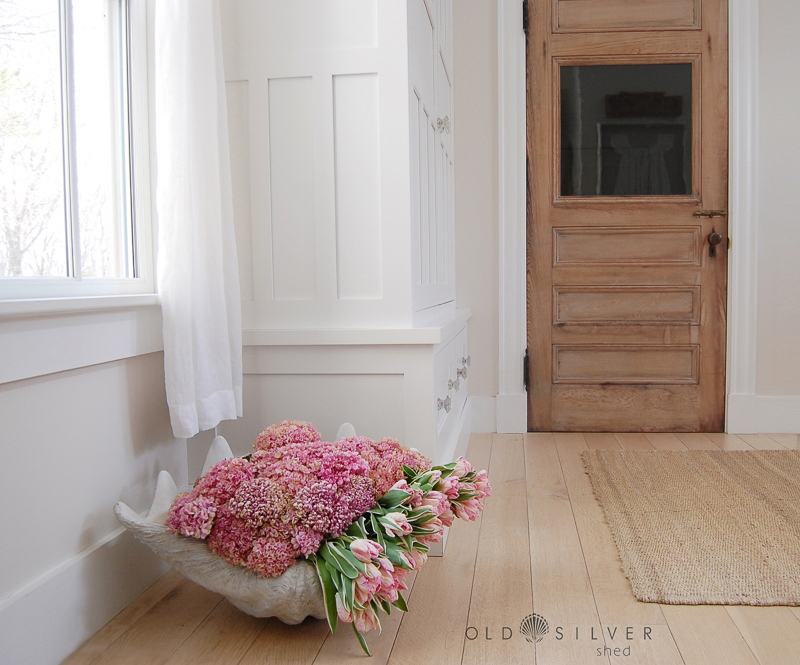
[45,336]
[72,305]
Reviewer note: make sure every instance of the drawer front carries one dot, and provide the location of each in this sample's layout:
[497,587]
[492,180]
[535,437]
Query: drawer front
[461,372]
[444,371]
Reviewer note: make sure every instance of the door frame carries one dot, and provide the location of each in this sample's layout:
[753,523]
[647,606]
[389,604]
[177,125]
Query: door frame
[511,404]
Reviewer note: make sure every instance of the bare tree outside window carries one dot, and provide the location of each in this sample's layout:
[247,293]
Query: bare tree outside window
[32,201]
[64,156]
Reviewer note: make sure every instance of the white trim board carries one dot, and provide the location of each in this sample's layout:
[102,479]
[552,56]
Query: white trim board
[46,621]
[743,206]
[763,414]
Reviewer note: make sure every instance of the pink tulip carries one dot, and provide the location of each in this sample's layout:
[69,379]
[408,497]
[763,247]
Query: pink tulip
[365,550]
[449,487]
[437,501]
[468,510]
[399,525]
[419,558]
[365,619]
[401,485]
[342,611]
[482,483]
[462,468]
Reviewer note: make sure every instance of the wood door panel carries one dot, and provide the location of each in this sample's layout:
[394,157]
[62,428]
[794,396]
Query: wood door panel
[626,308]
[625,245]
[588,408]
[625,334]
[629,304]
[624,275]
[637,364]
[602,15]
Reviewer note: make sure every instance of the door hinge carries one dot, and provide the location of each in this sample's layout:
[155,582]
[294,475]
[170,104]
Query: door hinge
[525,17]
[526,370]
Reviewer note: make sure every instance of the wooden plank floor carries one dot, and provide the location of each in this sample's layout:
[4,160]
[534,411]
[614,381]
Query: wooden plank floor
[541,546]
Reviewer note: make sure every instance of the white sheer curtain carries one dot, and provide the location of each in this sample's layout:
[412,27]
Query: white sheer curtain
[198,278]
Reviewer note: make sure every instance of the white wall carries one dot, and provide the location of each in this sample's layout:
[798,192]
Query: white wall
[475,58]
[74,443]
[779,201]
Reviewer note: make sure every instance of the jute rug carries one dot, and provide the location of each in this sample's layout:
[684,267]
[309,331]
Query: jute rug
[703,527]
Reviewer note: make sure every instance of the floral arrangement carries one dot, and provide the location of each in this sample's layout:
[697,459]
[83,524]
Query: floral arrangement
[363,512]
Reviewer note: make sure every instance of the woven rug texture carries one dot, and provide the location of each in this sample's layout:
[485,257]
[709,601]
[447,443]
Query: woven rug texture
[704,527]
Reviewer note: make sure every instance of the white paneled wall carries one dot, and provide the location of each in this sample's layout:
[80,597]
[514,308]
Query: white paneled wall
[320,144]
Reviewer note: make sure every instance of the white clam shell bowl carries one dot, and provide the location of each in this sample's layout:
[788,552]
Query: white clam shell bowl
[291,597]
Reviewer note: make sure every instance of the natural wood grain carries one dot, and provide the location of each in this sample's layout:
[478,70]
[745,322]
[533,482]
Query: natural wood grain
[761,441]
[616,604]
[223,638]
[634,441]
[705,634]
[772,633]
[625,14]
[288,645]
[696,441]
[433,630]
[159,633]
[665,441]
[102,639]
[790,441]
[542,545]
[625,304]
[601,440]
[501,592]
[728,441]
[562,591]
[604,356]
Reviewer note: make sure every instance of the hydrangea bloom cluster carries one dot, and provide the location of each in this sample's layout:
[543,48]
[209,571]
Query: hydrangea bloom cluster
[293,492]
[287,431]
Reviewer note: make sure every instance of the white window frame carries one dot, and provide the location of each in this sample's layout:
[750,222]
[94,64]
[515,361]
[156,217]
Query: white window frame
[41,289]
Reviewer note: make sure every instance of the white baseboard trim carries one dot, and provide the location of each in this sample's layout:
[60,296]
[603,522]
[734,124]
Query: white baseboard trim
[512,413]
[484,414]
[47,620]
[763,414]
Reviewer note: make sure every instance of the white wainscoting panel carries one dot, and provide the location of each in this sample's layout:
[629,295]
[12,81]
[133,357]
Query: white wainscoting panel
[343,23]
[238,98]
[358,180]
[291,167]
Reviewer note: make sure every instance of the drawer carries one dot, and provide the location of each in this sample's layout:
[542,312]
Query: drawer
[461,371]
[444,371]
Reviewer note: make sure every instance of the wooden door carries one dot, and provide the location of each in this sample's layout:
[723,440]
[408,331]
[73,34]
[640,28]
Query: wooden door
[627,145]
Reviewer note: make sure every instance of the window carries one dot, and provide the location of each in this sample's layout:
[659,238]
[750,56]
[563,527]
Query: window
[73,138]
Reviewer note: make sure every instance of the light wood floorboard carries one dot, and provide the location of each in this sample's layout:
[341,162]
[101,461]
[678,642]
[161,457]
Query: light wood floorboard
[542,545]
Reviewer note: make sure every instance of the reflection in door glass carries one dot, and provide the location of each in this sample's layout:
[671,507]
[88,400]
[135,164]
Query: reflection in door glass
[626,130]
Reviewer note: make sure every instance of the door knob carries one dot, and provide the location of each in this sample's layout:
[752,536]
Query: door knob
[714,239]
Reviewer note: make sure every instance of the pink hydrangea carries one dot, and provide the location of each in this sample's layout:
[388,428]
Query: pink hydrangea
[386,459]
[231,538]
[293,492]
[192,515]
[224,478]
[286,432]
[271,556]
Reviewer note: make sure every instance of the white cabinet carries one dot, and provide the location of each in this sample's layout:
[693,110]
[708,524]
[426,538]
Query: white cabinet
[431,138]
[341,129]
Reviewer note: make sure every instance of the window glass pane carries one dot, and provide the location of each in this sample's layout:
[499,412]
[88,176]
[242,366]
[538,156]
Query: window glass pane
[100,138]
[626,130]
[32,202]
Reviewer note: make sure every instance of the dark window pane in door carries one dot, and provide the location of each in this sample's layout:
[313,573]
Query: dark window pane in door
[626,130]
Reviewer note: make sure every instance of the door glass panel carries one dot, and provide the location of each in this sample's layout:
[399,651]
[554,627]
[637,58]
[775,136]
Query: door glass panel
[626,130]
